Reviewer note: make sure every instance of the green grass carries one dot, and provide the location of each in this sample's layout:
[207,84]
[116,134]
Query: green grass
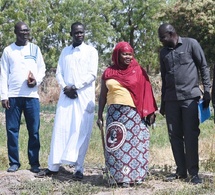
[54,186]
[158,141]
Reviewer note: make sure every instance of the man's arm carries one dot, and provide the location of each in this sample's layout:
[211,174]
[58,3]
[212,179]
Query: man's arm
[163,87]
[59,71]
[213,92]
[4,76]
[213,88]
[41,68]
[201,63]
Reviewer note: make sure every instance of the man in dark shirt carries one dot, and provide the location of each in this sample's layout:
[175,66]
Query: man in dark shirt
[181,59]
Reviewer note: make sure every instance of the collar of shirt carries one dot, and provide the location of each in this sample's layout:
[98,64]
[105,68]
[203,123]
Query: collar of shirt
[80,47]
[180,42]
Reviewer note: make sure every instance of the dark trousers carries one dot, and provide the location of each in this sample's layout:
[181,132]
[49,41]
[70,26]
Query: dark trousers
[183,128]
[31,109]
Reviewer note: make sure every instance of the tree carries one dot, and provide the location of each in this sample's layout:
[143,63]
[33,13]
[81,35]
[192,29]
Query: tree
[112,21]
[107,22]
[194,19]
[40,17]
[133,21]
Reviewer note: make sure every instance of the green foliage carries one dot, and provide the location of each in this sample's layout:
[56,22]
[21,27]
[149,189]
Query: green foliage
[133,21]
[194,19]
[107,22]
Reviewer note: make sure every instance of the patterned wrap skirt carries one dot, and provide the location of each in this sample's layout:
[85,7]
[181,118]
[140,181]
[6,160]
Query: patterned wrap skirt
[126,145]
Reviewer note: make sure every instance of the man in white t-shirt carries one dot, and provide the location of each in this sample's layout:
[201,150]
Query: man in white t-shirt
[22,71]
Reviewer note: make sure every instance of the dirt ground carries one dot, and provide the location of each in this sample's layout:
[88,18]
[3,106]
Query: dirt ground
[95,177]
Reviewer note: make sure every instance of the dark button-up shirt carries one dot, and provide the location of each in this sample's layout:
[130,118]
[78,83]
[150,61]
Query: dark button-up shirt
[180,68]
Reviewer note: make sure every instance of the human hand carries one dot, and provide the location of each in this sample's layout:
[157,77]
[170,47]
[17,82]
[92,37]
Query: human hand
[70,91]
[99,122]
[150,119]
[5,104]
[31,80]
[206,99]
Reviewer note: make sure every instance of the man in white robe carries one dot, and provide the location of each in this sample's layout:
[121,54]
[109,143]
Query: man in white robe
[76,74]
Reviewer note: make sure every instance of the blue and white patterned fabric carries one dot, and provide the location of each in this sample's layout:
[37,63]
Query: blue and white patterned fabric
[127,145]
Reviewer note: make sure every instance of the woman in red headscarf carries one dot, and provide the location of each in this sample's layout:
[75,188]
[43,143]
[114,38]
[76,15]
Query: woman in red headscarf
[131,105]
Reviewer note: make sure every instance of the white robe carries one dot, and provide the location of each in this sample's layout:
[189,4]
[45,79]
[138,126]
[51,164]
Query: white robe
[74,117]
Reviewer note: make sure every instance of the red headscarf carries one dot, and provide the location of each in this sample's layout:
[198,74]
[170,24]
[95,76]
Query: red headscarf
[134,78]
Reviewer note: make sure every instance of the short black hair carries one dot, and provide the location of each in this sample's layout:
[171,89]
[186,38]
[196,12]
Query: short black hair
[167,27]
[18,24]
[77,24]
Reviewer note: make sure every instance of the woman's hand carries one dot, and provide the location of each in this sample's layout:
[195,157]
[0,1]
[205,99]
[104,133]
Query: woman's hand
[99,122]
[150,119]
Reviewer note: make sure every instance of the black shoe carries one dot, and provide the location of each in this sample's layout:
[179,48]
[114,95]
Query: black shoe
[78,176]
[46,173]
[181,177]
[13,168]
[35,169]
[174,176]
[195,180]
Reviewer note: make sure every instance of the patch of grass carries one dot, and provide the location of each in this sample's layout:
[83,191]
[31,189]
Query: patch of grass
[95,153]
[159,148]
[188,190]
[54,186]
[3,157]
[158,133]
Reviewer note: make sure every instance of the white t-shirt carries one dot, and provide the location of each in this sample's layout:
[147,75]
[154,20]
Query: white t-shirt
[16,62]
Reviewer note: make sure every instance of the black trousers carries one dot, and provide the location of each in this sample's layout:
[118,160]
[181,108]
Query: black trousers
[183,128]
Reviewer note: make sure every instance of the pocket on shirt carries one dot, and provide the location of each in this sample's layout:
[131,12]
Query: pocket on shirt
[184,58]
[90,107]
